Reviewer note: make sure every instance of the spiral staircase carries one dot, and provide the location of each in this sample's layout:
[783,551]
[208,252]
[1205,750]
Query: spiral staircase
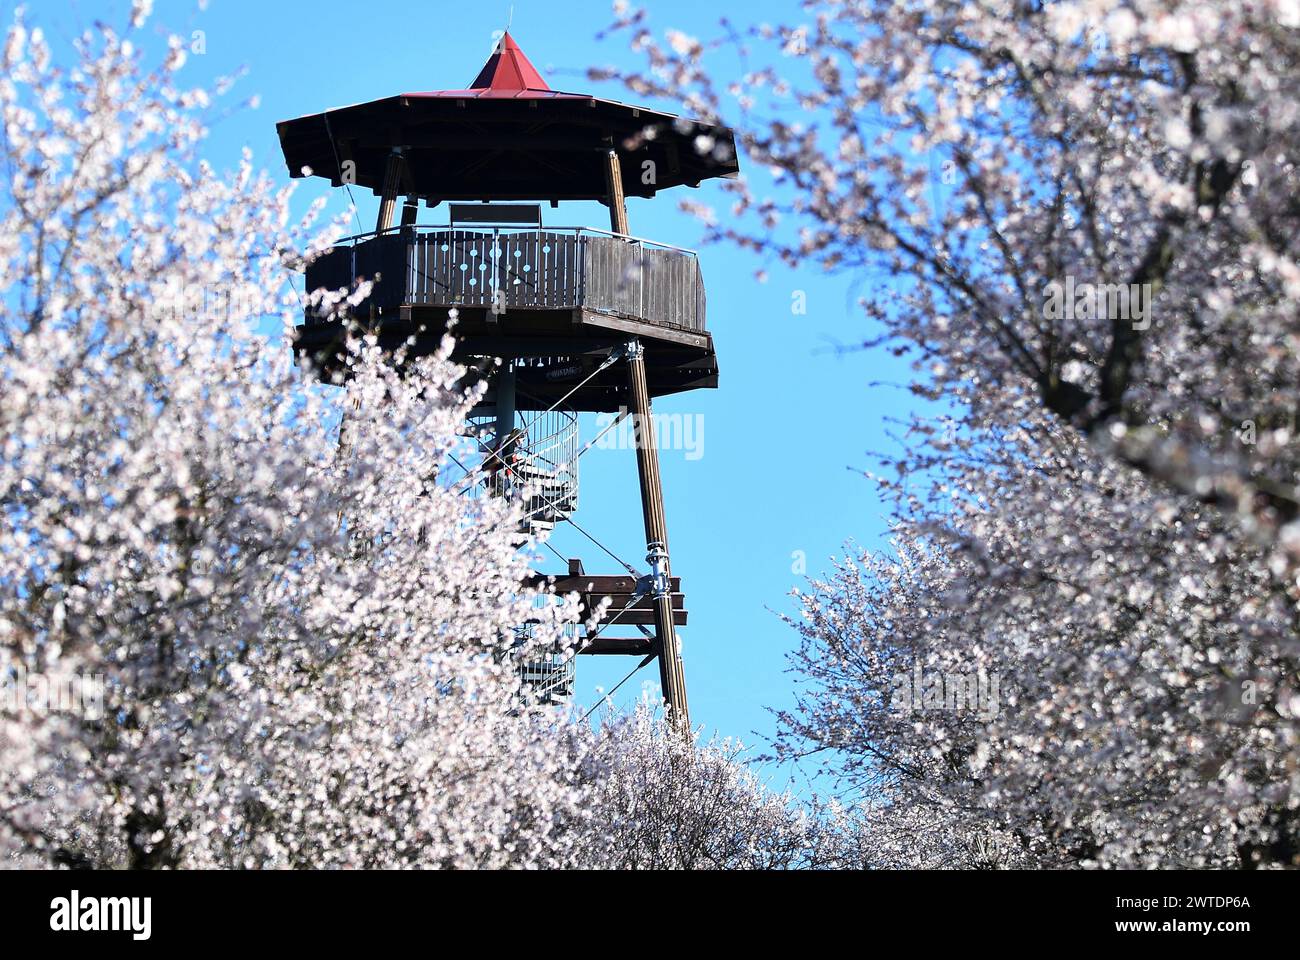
[532,456]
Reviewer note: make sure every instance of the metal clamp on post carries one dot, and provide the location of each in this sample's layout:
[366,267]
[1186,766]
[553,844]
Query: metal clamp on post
[658,560]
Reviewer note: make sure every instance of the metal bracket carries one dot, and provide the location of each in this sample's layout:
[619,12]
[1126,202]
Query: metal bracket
[657,557]
[624,351]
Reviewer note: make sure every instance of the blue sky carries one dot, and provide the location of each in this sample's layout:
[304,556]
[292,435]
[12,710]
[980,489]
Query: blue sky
[787,433]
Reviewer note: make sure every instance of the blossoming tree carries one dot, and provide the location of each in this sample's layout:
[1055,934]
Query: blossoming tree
[1081,218]
[297,649]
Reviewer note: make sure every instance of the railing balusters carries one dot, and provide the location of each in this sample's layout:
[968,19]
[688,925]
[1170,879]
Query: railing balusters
[567,267]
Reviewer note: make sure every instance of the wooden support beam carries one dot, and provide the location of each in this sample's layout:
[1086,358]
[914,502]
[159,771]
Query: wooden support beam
[619,590]
[672,676]
[393,175]
[642,616]
[639,616]
[614,193]
[596,583]
[618,647]
[645,617]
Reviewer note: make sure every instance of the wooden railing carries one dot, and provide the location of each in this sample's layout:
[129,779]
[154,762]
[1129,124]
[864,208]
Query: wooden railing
[522,268]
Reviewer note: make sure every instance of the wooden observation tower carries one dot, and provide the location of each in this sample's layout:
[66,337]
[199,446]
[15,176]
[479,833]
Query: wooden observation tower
[581,319]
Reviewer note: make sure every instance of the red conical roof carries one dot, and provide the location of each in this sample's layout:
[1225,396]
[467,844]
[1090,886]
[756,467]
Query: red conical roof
[508,74]
[509,136]
[508,70]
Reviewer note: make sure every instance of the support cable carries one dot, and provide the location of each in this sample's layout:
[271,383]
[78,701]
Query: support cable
[605,364]
[611,693]
[640,592]
[615,557]
[338,162]
[556,552]
[569,520]
[526,458]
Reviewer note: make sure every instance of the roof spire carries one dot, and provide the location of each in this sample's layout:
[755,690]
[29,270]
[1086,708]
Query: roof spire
[508,69]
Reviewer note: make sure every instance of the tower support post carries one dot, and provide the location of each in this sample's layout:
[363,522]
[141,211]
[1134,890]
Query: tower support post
[672,676]
[504,440]
[393,171]
[614,193]
[505,404]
